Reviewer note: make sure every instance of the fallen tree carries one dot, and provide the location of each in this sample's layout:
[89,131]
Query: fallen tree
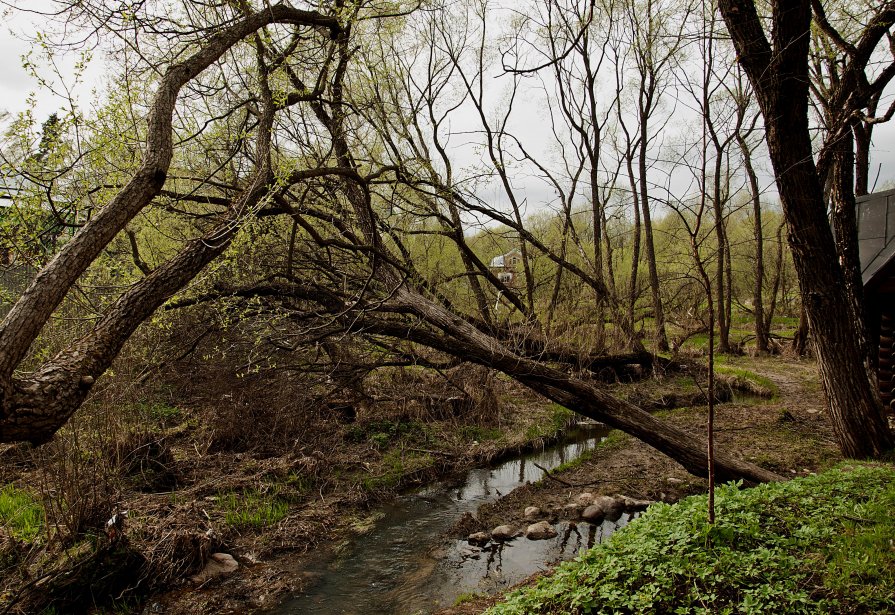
[364,278]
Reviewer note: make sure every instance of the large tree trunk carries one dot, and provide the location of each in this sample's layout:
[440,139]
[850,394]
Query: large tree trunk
[779,76]
[44,401]
[33,408]
[845,226]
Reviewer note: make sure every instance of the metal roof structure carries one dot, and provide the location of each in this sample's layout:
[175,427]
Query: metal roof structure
[876,233]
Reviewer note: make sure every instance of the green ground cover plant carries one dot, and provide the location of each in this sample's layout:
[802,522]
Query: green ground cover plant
[560,418]
[819,544]
[253,509]
[760,382]
[20,514]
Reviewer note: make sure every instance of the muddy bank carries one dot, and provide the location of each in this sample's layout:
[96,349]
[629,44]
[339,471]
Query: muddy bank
[318,492]
[405,564]
[287,558]
[789,434]
[244,476]
[760,431]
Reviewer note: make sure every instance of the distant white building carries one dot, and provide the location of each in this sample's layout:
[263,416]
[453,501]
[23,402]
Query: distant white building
[505,266]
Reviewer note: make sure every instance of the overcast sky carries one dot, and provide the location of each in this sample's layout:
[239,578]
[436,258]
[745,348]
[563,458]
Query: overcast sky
[16,85]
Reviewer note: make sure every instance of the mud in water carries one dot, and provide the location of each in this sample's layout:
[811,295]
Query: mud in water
[405,565]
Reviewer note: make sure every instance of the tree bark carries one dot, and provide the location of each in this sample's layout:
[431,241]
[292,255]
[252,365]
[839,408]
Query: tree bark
[845,228]
[863,135]
[779,76]
[577,395]
[659,334]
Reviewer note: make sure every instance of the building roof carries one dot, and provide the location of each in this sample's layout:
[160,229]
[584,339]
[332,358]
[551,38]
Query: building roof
[876,233]
[501,261]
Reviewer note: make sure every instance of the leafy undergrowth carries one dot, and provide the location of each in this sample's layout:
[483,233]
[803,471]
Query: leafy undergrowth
[819,544]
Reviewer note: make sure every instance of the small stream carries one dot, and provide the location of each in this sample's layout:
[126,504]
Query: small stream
[405,565]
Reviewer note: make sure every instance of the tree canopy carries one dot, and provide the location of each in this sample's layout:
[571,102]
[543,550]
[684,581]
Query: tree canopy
[327,168]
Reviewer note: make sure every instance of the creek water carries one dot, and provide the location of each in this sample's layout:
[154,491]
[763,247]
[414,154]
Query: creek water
[405,565]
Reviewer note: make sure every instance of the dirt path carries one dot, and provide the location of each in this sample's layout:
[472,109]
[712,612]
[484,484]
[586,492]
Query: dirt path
[788,434]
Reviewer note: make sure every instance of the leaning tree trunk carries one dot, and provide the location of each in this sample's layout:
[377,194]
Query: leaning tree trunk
[39,404]
[34,407]
[463,339]
[583,397]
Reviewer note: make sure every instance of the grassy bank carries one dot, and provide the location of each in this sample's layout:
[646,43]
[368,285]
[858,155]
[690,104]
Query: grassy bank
[819,544]
[193,485]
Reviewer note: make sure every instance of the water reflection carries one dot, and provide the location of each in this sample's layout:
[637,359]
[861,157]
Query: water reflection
[395,569]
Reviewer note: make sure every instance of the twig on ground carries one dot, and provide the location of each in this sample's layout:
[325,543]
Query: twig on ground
[559,480]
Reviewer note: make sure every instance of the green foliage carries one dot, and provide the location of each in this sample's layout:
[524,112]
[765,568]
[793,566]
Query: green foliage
[614,438]
[818,544]
[396,464]
[163,413]
[20,514]
[466,597]
[381,433]
[253,509]
[300,483]
[479,433]
[559,419]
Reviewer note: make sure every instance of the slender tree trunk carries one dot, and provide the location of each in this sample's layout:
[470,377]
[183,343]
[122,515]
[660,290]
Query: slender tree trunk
[456,225]
[721,264]
[635,246]
[557,282]
[596,222]
[659,334]
[762,337]
[728,284]
[779,266]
